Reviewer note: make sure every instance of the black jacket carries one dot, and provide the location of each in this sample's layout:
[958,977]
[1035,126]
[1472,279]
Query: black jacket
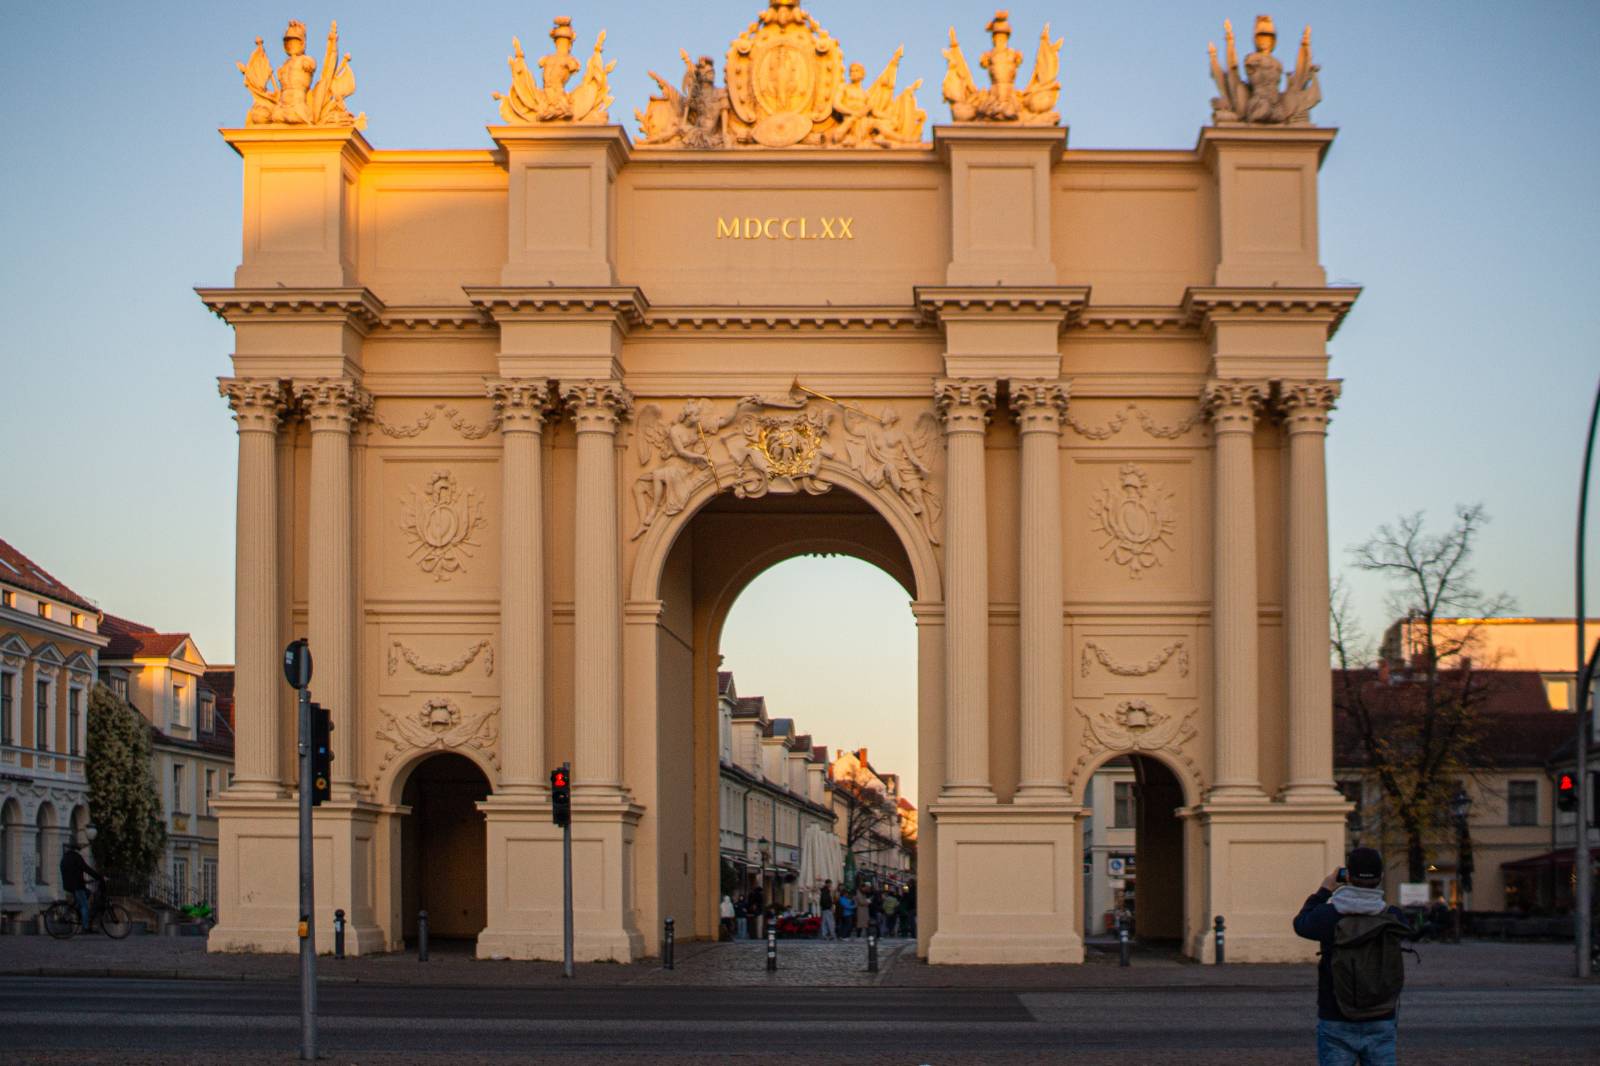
[73,867]
[1317,921]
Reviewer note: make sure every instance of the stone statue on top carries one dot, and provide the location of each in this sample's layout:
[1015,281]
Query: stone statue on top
[1255,97]
[297,100]
[528,104]
[1003,101]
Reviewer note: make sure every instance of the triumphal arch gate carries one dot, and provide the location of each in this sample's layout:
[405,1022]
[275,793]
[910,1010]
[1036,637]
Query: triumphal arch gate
[516,425]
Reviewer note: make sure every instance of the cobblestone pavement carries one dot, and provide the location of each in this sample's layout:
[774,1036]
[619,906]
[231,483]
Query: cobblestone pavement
[1476,964]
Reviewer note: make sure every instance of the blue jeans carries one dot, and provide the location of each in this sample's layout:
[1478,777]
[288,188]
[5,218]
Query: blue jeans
[1352,1043]
[82,896]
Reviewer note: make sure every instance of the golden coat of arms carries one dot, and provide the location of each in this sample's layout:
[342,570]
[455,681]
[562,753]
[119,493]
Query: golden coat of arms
[782,75]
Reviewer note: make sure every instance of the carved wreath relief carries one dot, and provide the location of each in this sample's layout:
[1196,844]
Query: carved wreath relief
[1093,652]
[441,522]
[441,724]
[1135,726]
[1136,519]
[777,445]
[398,651]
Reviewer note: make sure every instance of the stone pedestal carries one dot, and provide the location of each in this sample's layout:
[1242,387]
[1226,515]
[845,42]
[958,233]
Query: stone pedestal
[258,875]
[1008,884]
[524,856]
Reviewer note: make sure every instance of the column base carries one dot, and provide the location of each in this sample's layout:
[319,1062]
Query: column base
[1312,792]
[525,887]
[1261,862]
[1007,877]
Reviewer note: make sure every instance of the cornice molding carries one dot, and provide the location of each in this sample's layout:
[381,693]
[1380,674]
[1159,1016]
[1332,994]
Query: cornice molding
[1135,320]
[785,319]
[1206,307]
[435,319]
[624,305]
[356,307]
[1064,304]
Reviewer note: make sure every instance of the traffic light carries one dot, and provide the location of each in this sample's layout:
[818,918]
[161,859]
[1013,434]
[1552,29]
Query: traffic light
[1566,791]
[321,754]
[561,796]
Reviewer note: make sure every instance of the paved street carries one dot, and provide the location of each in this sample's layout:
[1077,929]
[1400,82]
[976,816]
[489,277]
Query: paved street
[1468,1003]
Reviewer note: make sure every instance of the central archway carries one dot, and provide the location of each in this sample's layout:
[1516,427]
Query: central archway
[443,849]
[686,577]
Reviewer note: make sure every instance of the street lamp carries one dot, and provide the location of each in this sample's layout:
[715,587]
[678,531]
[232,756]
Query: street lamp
[1584,942]
[1460,809]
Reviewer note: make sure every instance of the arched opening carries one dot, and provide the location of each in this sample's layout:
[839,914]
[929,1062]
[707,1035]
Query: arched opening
[79,837]
[443,848]
[46,845]
[818,759]
[714,557]
[1134,853]
[11,843]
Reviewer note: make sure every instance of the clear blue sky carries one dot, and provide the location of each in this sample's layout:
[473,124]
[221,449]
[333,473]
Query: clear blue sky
[1460,193]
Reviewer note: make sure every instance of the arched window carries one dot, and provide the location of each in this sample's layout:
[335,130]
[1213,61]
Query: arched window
[11,842]
[45,844]
[80,827]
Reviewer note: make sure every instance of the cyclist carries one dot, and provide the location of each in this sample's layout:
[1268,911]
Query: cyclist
[73,868]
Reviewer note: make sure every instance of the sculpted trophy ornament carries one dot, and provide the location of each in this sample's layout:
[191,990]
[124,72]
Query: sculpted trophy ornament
[1255,98]
[529,104]
[297,100]
[1136,519]
[441,724]
[786,86]
[441,522]
[1003,101]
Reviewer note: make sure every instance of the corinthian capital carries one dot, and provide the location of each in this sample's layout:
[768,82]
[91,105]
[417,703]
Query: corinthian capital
[1038,404]
[1306,405]
[1233,403]
[597,406]
[333,403]
[257,403]
[521,403]
[964,403]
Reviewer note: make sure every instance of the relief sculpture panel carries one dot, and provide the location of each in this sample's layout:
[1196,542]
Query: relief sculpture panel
[439,520]
[1135,534]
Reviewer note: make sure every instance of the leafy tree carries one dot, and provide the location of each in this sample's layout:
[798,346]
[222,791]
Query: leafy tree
[1417,711]
[124,804]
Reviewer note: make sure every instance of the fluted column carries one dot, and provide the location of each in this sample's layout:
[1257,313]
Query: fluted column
[332,406]
[522,404]
[1039,406]
[1232,405]
[1305,406]
[597,407]
[257,405]
[964,404]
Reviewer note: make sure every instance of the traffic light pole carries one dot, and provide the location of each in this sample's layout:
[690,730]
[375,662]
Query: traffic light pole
[308,925]
[566,889]
[1580,844]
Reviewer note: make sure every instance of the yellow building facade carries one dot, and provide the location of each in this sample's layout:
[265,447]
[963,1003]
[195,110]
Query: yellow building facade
[517,424]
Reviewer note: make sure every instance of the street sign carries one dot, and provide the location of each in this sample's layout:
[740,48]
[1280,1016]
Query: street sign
[1413,893]
[1116,865]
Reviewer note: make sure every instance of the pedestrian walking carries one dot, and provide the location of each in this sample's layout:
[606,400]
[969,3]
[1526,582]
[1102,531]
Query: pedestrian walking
[1362,968]
[847,914]
[755,906]
[825,908]
[875,911]
[726,911]
[891,914]
[863,910]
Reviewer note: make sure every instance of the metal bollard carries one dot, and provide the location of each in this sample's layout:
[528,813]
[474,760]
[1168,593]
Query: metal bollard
[1221,954]
[1124,945]
[422,936]
[338,934]
[872,952]
[668,943]
[772,946]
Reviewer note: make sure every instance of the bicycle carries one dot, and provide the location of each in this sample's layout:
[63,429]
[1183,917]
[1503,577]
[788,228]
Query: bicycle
[63,921]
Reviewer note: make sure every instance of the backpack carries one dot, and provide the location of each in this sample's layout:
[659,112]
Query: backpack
[1368,964]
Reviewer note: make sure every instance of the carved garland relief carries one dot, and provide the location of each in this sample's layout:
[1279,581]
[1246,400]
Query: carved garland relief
[399,651]
[457,421]
[440,724]
[1136,519]
[441,523]
[1093,652]
[1120,419]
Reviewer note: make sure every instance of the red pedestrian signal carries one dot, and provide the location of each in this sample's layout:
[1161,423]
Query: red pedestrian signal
[1567,792]
[561,796]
